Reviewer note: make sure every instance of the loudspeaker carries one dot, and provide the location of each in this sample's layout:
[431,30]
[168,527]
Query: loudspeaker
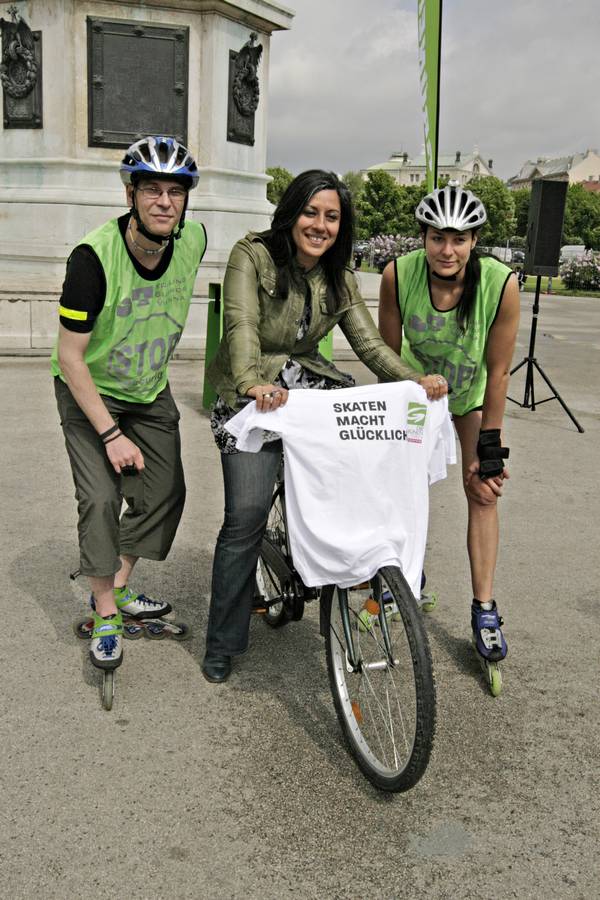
[544,226]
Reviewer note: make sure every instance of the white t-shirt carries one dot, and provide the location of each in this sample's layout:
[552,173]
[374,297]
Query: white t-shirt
[358,464]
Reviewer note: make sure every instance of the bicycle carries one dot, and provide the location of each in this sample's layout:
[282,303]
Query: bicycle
[378,658]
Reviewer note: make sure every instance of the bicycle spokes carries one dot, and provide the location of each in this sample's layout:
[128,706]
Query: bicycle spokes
[381,678]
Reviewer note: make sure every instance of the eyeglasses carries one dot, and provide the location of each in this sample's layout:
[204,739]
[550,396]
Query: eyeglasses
[152,192]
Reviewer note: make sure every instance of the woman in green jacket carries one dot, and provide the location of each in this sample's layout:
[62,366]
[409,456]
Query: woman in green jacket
[284,290]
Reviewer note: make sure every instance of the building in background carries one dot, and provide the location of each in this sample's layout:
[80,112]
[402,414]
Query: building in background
[81,81]
[580,168]
[407,170]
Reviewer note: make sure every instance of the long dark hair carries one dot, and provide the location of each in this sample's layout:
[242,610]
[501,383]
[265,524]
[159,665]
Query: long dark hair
[281,246]
[464,307]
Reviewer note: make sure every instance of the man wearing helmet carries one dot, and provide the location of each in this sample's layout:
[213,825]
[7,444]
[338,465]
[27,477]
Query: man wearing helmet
[124,304]
[446,310]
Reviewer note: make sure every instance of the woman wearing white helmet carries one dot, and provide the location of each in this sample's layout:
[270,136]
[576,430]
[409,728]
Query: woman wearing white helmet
[444,309]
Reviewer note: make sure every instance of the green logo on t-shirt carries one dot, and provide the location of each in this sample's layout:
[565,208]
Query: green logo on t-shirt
[416,414]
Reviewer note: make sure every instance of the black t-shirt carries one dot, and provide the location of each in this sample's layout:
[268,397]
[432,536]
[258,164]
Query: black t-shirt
[84,287]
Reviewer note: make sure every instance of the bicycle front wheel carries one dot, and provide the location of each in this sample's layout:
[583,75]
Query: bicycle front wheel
[381,677]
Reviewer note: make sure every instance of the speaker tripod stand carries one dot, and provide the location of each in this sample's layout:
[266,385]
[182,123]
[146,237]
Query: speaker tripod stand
[531,362]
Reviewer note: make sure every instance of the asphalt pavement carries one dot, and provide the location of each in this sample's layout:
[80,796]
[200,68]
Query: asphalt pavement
[244,790]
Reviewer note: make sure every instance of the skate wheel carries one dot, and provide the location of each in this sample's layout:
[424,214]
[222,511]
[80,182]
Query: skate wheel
[365,621]
[108,688]
[494,679]
[83,628]
[179,631]
[132,630]
[156,631]
[427,602]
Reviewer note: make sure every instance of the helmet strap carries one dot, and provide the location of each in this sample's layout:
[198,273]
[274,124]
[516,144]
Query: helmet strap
[443,277]
[155,238]
[181,224]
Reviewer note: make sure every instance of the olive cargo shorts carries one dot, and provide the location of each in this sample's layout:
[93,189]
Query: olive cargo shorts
[155,497]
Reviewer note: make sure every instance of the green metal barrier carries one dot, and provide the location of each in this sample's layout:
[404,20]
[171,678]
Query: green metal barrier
[214,333]
[326,346]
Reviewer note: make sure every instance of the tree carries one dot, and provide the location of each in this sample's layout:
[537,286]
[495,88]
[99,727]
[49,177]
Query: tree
[594,238]
[356,185]
[582,217]
[521,199]
[380,208]
[412,195]
[281,179]
[500,208]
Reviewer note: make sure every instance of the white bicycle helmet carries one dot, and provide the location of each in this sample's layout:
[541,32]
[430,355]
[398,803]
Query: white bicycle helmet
[451,207]
[162,156]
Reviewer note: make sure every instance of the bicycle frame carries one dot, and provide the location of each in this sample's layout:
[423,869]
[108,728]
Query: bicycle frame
[345,616]
[354,659]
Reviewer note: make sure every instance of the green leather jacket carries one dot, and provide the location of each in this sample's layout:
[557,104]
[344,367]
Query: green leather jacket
[260,329]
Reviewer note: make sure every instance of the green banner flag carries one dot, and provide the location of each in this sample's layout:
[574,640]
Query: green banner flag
[430,43]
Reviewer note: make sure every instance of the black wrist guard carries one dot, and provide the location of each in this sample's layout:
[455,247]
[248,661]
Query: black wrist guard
[490,453]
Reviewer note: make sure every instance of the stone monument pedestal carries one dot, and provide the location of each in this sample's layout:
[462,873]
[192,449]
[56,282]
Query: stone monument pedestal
[60,180]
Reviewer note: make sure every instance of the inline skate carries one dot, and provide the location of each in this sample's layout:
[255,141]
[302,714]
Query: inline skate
[106,651]
[138,616]
[489,643]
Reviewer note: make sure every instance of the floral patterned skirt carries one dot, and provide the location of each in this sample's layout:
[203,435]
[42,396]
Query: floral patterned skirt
[293,376]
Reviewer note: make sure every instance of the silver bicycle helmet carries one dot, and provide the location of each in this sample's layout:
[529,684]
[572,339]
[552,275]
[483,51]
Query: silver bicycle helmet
[451,207]
[162,156]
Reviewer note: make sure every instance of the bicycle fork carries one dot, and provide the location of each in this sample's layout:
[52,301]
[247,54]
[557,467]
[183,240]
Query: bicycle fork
[383,622]
[353,656]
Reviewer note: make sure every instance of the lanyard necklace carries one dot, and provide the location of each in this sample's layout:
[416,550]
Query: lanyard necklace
[136,246]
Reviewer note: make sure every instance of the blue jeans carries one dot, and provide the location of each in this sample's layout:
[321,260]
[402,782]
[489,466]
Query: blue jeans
[249,479]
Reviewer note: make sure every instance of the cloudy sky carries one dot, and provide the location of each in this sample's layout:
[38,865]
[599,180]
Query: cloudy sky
[519,80]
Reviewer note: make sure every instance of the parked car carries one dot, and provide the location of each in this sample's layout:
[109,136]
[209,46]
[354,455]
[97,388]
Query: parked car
[504,254]
[571,251]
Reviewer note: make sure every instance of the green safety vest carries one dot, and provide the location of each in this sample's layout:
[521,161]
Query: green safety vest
[432,341]
[141,322]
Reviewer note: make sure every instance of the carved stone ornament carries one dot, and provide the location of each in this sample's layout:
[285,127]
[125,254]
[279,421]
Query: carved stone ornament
[18,71]
[246,88]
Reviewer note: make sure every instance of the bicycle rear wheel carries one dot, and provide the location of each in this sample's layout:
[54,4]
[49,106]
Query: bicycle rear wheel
[278,587]
[268,582]
[381,677]
[273,580]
